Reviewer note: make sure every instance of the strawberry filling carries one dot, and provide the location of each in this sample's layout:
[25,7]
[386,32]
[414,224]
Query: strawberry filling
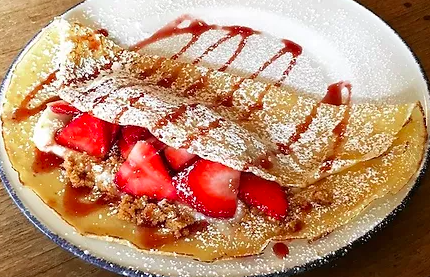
[210,188]
[62,107]
[158,171]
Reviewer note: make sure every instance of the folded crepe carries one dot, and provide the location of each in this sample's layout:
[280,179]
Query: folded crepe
[381,148]
[190,111]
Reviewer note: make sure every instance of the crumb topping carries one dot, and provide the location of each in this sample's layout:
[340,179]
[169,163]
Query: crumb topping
[162,214]
[82,170]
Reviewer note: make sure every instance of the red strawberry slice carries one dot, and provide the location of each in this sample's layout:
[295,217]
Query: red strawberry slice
[125,147]
[210,188]
[178,158]
[133,134]
[130,135]
[267,196]
[159,145]
[62,107]
[89,134]
[143,173]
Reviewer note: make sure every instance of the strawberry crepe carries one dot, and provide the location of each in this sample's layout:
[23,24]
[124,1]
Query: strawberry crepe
[111,82]
[197,168]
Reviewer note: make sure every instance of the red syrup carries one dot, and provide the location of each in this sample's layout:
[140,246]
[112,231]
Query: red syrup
[198,85]
[169,80]
[332,97]
[202,131]
[172,117]
[289,47]
[232,31]
[23,111]
[45,162]
[281,250]
[150,237]
[75,204]
[285,148]
[103,32]
[197,28]
[257,106]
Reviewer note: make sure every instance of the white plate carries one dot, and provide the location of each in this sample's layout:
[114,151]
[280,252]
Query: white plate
[341,41]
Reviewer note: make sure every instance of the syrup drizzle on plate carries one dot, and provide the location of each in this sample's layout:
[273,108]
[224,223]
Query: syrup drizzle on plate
[23,111]
[75,202]
[281,250]
[45,162]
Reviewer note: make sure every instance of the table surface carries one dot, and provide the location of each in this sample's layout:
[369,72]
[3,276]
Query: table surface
[401,249]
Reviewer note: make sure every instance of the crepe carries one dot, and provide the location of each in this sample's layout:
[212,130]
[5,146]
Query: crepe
[382,149]
[192,112]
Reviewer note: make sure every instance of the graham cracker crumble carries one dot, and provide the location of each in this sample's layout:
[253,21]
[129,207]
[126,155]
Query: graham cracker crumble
[143,212]
[82,170]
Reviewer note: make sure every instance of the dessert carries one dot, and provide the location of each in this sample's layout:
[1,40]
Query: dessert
[185,159]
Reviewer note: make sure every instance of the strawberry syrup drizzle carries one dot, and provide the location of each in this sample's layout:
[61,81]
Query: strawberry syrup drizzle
[332,97]
[45,162]
[172,117]
[198,27]
[75,203]
[257,106]
[132,101]
[103,32]
[281,250]
[289,47]
[198,85]
[168,81]
[300,129]
[23,111]
[202,131]
[232,31]
[152,70]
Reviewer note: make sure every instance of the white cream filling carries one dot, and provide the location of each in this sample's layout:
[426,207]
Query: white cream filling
[46,128]
[223,225]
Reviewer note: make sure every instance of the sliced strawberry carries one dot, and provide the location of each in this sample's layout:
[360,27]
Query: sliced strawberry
[133,134]
[178,158]
[130,135]
[89,134]
[267,196]
[125,147]
[115,132]
[143,173]
[62,107]
[156,143]
[210,188]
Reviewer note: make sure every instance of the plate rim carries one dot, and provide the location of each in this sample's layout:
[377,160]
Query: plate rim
[119,269]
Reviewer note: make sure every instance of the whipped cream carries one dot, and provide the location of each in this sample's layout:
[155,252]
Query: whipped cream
[224,226]
[46,128]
